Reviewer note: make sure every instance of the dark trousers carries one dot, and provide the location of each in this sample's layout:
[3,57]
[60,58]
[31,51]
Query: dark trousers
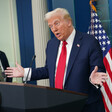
[94,107]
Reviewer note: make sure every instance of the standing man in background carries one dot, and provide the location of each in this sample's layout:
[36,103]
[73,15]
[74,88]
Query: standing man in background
[4,64]
[73,61]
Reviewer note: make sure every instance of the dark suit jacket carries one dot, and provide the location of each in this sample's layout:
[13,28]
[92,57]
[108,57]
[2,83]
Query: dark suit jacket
[5,63]
[82,61]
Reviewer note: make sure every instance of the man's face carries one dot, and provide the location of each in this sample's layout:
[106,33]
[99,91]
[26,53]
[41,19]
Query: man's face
[60,27]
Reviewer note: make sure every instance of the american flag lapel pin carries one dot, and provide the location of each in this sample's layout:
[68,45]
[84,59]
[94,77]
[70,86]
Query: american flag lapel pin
[78,45]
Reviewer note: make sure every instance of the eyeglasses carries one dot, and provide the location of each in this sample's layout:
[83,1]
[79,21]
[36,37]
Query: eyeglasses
[55,24]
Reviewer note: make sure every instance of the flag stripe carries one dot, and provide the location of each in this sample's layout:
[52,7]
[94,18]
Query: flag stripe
[105,61]
[110,52]
[109,82]
[109,94]
[105,104]
[108,56]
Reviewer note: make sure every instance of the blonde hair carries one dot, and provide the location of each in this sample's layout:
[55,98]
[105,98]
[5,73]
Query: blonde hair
[58,11]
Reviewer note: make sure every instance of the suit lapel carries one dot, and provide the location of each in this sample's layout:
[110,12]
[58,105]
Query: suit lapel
[74,52]
[54,55]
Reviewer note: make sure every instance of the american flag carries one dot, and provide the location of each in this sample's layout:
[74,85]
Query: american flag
[99,33]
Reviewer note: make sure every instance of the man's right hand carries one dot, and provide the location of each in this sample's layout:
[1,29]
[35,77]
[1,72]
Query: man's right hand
[17,71]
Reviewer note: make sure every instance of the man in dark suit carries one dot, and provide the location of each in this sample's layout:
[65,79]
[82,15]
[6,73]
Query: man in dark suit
[80,67]
[4,64]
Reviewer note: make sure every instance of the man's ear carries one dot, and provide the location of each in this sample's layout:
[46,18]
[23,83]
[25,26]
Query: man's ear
[69,23]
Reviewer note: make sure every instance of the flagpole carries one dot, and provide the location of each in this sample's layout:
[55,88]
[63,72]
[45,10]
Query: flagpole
[92,6]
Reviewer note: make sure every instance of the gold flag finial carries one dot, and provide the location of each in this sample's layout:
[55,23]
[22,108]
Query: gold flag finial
[92,6]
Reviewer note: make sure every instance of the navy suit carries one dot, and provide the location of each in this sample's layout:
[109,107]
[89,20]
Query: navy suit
[4,63]
[85,55]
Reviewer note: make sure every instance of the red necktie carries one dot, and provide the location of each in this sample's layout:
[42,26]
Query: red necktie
[61,67]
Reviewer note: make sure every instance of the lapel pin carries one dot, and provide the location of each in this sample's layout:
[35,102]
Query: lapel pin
[78,45]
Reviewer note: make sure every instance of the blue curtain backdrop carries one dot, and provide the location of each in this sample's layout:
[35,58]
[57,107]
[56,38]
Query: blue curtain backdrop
[25,26]
[82,15]
[110,10]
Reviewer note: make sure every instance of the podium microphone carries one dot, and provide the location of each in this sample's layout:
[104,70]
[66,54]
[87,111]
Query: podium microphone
[33,58]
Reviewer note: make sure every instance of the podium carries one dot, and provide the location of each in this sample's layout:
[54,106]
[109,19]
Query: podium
[16,97]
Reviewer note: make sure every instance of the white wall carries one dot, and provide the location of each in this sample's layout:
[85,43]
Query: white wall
[9,41]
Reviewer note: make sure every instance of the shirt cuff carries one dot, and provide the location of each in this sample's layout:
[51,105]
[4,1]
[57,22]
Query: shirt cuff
[27,74]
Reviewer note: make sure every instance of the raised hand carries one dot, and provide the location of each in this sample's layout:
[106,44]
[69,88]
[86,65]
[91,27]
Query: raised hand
[17,71]
[98,77]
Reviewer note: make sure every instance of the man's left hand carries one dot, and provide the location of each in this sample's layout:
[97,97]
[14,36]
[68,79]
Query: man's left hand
[98,78]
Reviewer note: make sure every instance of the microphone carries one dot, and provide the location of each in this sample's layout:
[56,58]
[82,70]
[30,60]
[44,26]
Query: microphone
[33,58]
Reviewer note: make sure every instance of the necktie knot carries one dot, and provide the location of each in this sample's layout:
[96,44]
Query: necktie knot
[64,43]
